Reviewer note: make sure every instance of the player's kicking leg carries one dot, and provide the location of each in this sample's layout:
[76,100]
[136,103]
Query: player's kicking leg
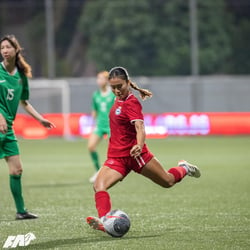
[191,169]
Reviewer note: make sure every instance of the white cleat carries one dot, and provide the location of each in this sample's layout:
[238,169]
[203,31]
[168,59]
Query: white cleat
[192,170]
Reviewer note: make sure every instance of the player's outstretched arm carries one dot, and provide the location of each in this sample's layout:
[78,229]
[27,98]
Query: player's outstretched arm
[31,110]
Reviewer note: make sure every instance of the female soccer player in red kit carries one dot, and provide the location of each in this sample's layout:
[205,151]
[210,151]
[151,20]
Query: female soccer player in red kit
[127,149]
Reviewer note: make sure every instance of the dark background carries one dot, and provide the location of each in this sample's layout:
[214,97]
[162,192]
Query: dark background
[149,37]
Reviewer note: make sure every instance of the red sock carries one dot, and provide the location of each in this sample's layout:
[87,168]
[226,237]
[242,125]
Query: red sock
[102,203]
[178,173]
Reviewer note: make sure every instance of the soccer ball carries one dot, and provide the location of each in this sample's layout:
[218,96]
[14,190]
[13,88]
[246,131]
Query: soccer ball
[116,223]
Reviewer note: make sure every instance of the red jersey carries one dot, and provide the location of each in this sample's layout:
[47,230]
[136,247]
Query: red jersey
[122,129]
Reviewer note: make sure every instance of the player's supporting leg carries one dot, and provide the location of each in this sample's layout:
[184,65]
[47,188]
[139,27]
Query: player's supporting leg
[15,171]
[106,178]
[93,141]
[154,171]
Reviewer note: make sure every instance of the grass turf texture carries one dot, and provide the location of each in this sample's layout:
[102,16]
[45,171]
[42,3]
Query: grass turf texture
[212,212]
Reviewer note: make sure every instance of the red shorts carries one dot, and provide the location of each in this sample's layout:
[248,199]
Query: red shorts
[124,165]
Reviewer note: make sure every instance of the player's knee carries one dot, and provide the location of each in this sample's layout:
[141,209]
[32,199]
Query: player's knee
[16,171]
[98,186]
[91,148]
[20,171]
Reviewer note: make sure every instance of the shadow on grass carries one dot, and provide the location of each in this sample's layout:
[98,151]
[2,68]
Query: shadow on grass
[83,240]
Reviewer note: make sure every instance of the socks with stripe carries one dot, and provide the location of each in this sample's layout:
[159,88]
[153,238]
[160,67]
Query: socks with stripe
[16,190]
[103,203]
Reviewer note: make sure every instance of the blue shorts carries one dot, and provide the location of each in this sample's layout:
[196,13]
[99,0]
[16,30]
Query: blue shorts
[124,165]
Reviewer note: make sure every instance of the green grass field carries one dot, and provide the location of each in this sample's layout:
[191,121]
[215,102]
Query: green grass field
[212,212]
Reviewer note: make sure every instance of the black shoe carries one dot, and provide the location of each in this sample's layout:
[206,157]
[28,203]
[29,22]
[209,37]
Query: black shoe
[25,216]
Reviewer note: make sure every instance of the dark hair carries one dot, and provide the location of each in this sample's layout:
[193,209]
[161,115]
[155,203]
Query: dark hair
[122,73]
[20,62]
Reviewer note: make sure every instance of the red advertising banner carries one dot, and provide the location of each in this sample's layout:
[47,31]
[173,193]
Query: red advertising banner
[157,125]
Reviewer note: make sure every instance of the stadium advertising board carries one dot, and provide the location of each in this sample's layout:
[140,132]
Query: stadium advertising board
[157,125]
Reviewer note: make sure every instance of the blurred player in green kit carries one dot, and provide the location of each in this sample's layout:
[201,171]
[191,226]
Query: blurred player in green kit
[102,101]
[14,89]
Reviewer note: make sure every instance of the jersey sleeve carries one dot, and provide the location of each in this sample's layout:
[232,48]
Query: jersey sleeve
[25,93]
[134,110]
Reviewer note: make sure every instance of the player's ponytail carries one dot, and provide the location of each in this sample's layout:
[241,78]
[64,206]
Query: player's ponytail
[122,73]
[20,62]
[144,93]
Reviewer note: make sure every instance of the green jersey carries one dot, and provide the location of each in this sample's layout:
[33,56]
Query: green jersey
[101,104]
[13,88]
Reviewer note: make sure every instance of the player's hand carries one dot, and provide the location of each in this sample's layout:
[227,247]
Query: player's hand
[135,151]
[47,124]
[3,125]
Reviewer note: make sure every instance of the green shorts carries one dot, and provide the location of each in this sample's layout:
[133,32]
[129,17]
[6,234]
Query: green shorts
[101,131]
[8,144]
